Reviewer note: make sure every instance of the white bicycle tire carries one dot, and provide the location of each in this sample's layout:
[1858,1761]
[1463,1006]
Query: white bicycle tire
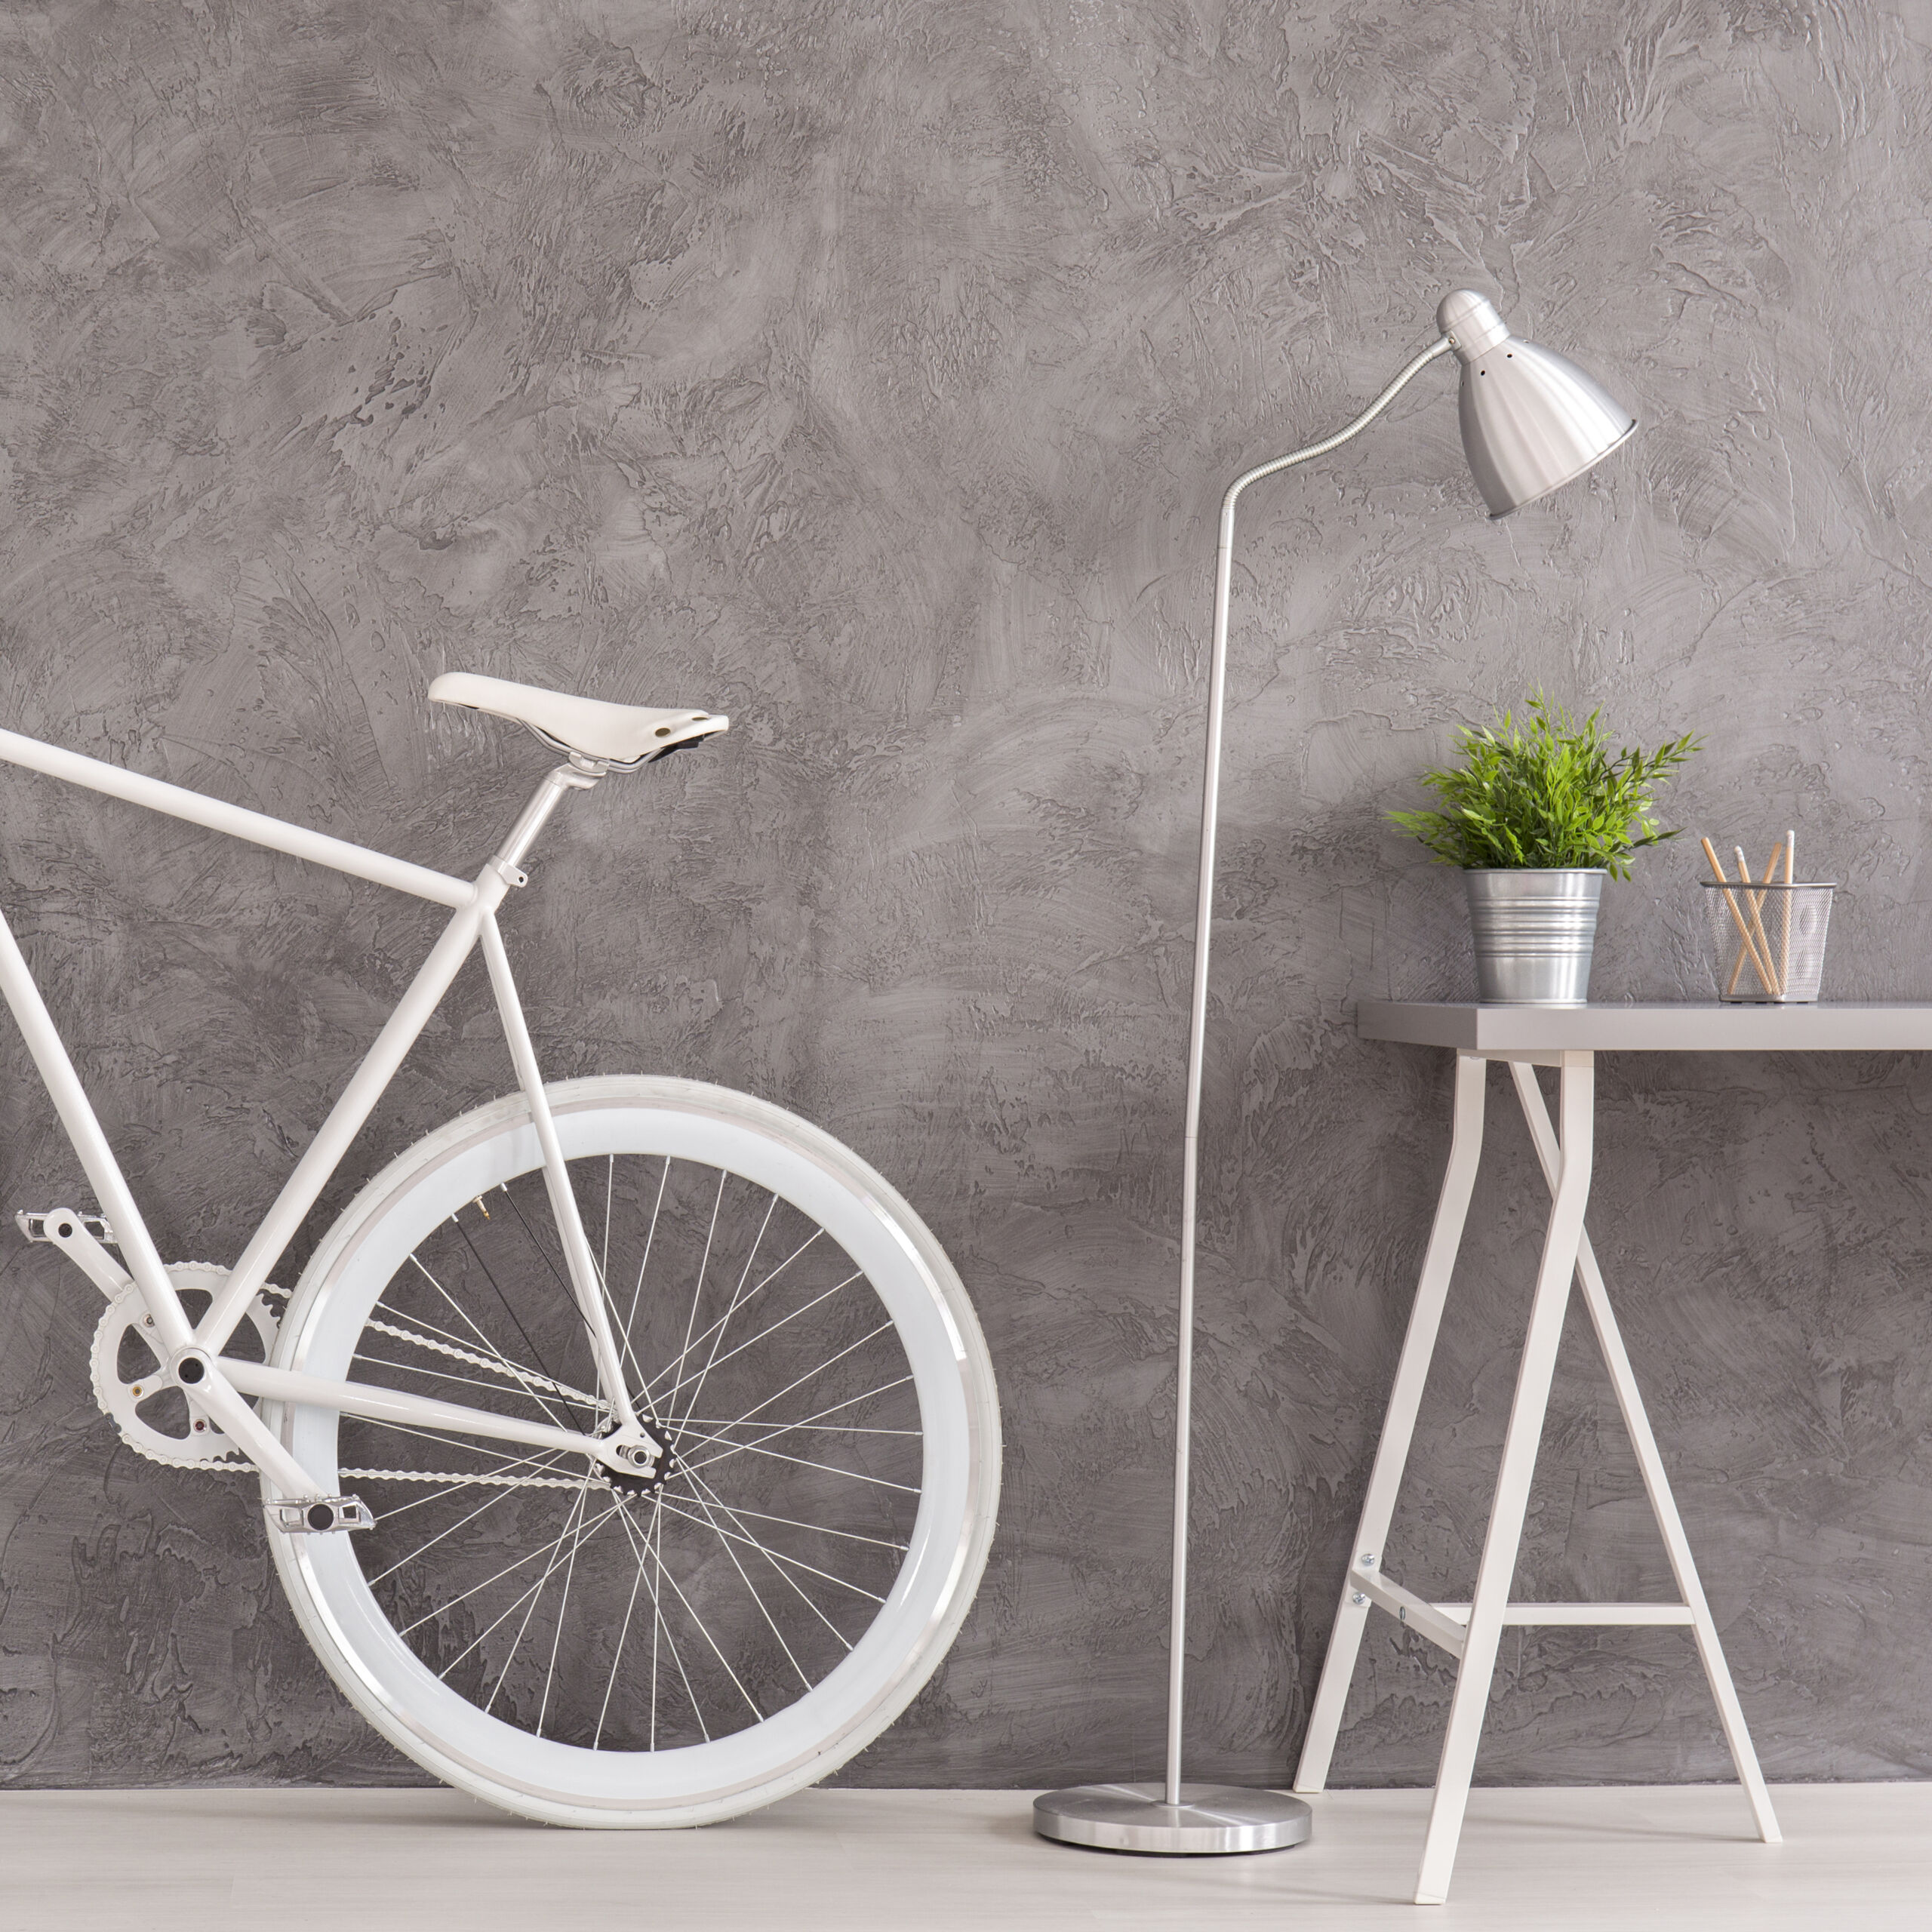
[564,1783]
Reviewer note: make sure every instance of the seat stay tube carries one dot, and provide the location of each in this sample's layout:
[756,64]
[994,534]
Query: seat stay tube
[585,1279]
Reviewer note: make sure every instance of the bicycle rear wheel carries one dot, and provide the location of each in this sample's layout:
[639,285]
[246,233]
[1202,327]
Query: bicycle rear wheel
[592,1655]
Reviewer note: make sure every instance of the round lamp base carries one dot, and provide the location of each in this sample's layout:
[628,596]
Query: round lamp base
[1210,1820]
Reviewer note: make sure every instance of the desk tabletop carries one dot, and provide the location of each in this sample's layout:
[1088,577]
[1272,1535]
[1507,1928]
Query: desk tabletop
[1686,1027]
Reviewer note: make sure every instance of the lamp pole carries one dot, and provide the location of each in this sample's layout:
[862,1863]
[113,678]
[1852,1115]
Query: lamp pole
[1531,420]
[1197,1028]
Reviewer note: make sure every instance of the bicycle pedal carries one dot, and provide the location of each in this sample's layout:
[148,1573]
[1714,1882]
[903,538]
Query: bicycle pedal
[34,1226]
[318,1515]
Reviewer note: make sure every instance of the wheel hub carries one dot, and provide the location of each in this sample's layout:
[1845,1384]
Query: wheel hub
[628,1472]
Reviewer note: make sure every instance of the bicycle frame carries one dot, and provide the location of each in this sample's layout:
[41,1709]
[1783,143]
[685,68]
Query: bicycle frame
[192,1353]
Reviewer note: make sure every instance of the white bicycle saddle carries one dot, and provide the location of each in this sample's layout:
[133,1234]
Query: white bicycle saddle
[619,734]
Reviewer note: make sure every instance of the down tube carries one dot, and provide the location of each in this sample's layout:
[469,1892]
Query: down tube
[345,1118]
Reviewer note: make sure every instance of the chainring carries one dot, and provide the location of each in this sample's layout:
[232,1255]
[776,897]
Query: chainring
[156,1416]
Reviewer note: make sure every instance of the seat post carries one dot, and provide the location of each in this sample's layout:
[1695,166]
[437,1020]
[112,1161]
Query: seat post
[581,774]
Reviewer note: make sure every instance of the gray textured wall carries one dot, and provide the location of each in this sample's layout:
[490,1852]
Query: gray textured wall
[873,371]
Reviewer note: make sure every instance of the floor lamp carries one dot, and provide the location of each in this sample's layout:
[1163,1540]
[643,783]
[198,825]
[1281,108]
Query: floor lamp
[1531,421]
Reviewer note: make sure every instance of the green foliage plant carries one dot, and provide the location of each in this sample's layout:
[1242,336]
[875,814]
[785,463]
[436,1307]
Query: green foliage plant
[1546,792]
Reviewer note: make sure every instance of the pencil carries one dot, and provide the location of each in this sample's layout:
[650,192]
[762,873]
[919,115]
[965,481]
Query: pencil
[1736,917]
[1772,986]
[1790,886]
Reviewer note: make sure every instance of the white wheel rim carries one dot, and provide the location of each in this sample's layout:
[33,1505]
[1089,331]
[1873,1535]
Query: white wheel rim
[327,1317]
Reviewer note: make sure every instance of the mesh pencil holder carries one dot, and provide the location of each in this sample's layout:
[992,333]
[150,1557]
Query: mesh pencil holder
[1768,941]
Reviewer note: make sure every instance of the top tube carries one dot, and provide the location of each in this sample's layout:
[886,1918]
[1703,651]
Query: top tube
[177,801]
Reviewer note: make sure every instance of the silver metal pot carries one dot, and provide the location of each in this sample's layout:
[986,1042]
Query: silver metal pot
[1534,931]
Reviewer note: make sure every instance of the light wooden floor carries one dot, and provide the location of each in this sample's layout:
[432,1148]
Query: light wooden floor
[1858,1856]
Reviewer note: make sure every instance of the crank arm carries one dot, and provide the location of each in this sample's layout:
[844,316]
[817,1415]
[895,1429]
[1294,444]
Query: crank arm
[69,1232]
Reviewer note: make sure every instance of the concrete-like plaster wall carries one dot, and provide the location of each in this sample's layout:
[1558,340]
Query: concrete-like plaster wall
[873,371]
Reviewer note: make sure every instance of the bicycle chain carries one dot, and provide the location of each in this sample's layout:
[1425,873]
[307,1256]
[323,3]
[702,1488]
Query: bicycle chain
[522,1378]
[489,1481]
[525,1379]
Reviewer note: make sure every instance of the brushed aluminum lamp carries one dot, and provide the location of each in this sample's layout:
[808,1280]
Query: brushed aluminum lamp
[1531,421]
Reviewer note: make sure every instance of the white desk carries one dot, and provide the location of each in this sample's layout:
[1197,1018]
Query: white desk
[1498,1032]
[1568,1039]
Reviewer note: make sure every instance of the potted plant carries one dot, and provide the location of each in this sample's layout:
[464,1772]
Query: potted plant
[1537,814]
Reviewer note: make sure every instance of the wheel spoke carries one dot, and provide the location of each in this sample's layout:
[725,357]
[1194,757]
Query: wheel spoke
[678,1361]
[729,1447]
[658,1624]
[798,1590]
[557,1637]
[691,1321]
[724,1538]
[515,1563]
[561,1277]
[776,1556]
[688,1427]
[483,1634]
[657,1621]
[828,1469]
[757,1715]
[536,1354]
[831,1409]
[799,1381]
[637,1583]
[661,1624]
[739,1509]
[536,1594]
[651,1235]
[784,1321]
[562,1280]
[509,1366]
[737,1293]
[495,1495]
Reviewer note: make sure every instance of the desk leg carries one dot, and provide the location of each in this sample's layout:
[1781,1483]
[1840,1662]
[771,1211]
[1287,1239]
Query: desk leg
[1391,1452]
[1656,1485]
[1498,1567]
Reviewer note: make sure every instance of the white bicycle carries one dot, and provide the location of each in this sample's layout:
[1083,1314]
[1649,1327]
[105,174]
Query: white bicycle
[681,1433]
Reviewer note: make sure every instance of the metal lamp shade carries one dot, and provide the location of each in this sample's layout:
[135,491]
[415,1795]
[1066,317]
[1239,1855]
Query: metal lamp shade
[1531,419]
